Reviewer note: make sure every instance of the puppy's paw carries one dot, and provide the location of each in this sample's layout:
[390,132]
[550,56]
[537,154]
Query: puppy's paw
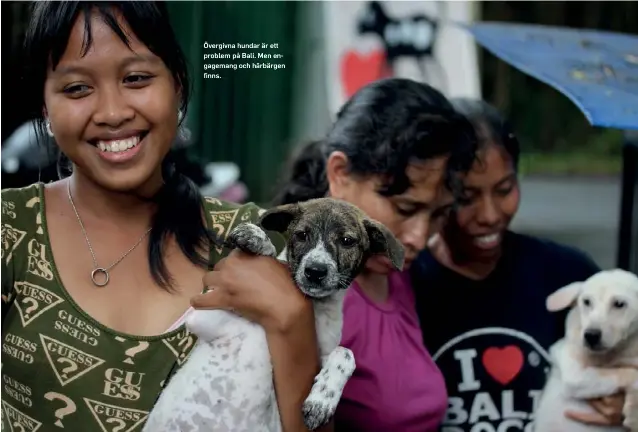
[317,412]
[326,391]
[249,238]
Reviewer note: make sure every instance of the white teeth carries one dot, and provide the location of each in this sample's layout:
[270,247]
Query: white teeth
[118,145]
[487,239]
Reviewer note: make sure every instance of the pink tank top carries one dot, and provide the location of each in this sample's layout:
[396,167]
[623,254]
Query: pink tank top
[397,386]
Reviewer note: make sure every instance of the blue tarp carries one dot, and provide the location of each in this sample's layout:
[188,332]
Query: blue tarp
[597,70]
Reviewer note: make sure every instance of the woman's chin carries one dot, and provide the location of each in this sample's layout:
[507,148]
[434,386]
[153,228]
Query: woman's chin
[379,265]
[136,179]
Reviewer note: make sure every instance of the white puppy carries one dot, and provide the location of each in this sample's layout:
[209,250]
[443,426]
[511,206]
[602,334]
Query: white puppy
[226,385]
[598,356]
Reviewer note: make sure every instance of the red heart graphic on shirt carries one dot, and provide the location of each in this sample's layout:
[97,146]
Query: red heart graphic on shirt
[358,69]
[503,364]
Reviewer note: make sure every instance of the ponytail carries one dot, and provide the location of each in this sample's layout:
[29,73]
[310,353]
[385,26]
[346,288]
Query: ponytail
[306,176]
[179,214]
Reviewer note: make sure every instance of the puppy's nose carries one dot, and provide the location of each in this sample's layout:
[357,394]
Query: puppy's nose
[593,337]
[316,272]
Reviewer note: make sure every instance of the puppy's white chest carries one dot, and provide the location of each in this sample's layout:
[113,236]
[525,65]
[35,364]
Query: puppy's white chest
[226,384]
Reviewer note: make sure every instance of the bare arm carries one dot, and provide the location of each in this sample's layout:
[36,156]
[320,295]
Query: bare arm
[295,359]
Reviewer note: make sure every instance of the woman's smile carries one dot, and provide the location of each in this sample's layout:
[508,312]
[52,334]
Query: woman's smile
[121,150]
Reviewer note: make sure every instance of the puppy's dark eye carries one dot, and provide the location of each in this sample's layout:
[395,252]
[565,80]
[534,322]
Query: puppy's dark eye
[586,302]
[619,304]
[302,236]
[347,241]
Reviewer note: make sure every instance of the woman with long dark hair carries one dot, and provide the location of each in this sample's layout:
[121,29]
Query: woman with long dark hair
[396,150]
[98,266]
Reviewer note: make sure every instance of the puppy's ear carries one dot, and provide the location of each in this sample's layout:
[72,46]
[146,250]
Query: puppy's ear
[279,218]
[382,241]
[564,297]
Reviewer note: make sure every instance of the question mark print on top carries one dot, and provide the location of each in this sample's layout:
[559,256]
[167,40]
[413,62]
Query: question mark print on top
[121,424]
[132,352]
[180,345]
[33,301]
[68,408]
[34,306]
[38,219]
[72,367]
[188,342]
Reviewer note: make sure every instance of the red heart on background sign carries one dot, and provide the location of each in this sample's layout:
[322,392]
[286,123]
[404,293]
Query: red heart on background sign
[503,364]
[358,69]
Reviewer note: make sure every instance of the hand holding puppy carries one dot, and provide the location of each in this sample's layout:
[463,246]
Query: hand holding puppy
[256,287]
[609,411]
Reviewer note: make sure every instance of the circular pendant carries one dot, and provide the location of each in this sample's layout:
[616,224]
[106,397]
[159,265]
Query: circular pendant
[100,276]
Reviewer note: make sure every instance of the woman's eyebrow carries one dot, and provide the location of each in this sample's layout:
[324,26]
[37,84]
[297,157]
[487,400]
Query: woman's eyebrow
[140,58]
[505,179]
[127,61]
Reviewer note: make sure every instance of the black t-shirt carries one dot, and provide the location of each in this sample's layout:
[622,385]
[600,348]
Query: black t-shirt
[490,338]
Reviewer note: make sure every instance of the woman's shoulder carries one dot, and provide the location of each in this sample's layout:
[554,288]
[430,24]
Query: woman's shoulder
[549,250]
[570,262]
[15,200]
[21,214]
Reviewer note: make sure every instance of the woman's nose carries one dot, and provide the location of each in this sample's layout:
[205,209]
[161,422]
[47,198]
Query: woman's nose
[415,233]
[112,109]
[487,213]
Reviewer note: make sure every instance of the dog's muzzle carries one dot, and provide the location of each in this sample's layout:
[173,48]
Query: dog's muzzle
[315,273]
[592,338]
[317,279]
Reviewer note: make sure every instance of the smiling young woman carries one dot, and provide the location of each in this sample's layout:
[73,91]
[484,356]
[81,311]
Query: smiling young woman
[98,267]
[481,290]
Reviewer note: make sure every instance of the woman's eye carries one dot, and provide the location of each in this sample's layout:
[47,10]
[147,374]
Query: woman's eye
[137,79]
[76,89]
[405,211]
[465,198]
[504,191]
[347,241]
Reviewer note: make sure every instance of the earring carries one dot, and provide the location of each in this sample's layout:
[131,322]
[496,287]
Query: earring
[180,116]
[48,128]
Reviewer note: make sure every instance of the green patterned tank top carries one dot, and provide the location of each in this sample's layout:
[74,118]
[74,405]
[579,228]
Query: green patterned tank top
[61,369]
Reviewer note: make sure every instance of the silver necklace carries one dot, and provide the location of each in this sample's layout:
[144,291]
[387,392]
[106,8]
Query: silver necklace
[100,272]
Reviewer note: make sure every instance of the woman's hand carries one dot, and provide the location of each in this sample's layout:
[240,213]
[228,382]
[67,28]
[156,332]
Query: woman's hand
[608,411]
[258,288]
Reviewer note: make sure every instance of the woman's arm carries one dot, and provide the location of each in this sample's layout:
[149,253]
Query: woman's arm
[295,359]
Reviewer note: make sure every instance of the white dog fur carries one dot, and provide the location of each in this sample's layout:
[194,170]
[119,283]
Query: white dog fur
[231,360]
[599,354]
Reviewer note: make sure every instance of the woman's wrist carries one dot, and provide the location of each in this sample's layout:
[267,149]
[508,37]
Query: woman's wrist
[297,311]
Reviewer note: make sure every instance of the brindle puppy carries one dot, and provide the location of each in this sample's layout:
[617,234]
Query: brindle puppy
[226,384]
[329,243]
